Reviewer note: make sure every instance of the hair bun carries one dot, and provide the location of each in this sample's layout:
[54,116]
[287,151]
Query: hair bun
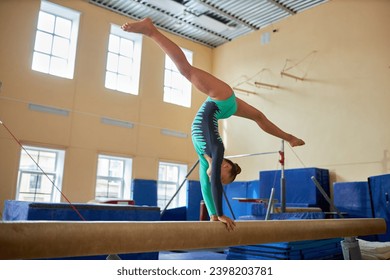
[238,168]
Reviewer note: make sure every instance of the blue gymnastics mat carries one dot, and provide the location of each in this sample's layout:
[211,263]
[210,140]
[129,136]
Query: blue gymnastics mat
[326,249]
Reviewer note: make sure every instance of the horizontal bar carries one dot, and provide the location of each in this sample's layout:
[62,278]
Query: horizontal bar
[56,239]
[291,76]
[266,85]
[251,155]
[244,90]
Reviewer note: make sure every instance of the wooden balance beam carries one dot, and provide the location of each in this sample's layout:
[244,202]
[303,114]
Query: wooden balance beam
[46,239]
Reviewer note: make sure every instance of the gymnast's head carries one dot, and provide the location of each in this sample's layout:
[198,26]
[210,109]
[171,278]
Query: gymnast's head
[229,171]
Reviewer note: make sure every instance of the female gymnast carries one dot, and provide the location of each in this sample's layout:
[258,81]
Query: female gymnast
[214,170]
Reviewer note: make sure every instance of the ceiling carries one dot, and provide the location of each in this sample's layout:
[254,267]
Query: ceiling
[209,22]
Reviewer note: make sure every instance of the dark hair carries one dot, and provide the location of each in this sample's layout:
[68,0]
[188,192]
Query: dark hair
[236,169]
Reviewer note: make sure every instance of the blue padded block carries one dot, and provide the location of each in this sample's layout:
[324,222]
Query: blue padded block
[353,198]
[299,250]
[235,190]
[24,210]
[194,197]
[145,192]
[253,190]
[299,186]
[287,216]
[247,189]
[380,195]
[175,214]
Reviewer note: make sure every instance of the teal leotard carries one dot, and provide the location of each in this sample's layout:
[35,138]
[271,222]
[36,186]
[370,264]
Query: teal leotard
[206,140]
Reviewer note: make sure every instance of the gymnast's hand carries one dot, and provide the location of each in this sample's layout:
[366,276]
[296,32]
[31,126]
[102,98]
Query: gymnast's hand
[230,224]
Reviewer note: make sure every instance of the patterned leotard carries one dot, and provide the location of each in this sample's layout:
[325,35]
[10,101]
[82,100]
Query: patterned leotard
[206,140]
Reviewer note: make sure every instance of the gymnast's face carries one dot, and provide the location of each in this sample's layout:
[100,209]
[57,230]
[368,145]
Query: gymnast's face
[226,171]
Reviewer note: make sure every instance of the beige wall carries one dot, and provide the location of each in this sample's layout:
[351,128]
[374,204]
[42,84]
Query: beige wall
[81,133]
[341,109]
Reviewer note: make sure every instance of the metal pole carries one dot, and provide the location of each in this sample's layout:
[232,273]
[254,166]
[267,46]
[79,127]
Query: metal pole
[270,204]
[327,198]
[282,180]
[228,203]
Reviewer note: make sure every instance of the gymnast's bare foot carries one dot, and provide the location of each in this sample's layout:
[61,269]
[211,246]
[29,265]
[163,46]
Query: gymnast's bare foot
[144,26]
[294,141]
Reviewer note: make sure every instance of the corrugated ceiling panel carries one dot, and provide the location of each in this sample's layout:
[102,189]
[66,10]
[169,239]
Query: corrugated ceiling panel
[182,16]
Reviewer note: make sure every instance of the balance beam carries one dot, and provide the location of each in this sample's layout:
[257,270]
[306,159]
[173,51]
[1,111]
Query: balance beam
[57,239]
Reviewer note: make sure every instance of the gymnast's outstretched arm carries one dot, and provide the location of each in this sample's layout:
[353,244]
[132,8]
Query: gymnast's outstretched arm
[247,111]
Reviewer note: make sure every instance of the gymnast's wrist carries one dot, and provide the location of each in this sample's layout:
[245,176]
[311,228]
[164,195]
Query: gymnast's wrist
[213,218]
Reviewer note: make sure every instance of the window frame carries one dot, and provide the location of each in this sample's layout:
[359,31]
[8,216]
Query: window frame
[125,179]
[180,199]
[59,12]
[56,173]
[172,81]
[135,56]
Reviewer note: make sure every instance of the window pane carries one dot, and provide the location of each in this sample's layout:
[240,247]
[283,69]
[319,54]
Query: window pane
[116,168]
[113,44]
[26,162]
[46,185]
[103,166]
[169,63]
[43,42]
[168,79]
[58,66]
[124,83]
[111,79]
[126,47]
[61,47]
[101,187]
[46,22]
[47,161]
[41,62]
[63,27]
[112,62]
[124,66]
[106,188]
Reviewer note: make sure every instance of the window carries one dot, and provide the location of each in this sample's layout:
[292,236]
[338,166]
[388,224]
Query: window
[113,178]
[56,40]
[170,176]
[177,89]
[123,61]
[35,185]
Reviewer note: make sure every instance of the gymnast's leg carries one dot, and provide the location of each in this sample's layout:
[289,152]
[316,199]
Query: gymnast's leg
[247,111]
[202,80]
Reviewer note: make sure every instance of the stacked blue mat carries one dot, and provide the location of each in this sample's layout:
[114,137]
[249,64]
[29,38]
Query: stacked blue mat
[325,249]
